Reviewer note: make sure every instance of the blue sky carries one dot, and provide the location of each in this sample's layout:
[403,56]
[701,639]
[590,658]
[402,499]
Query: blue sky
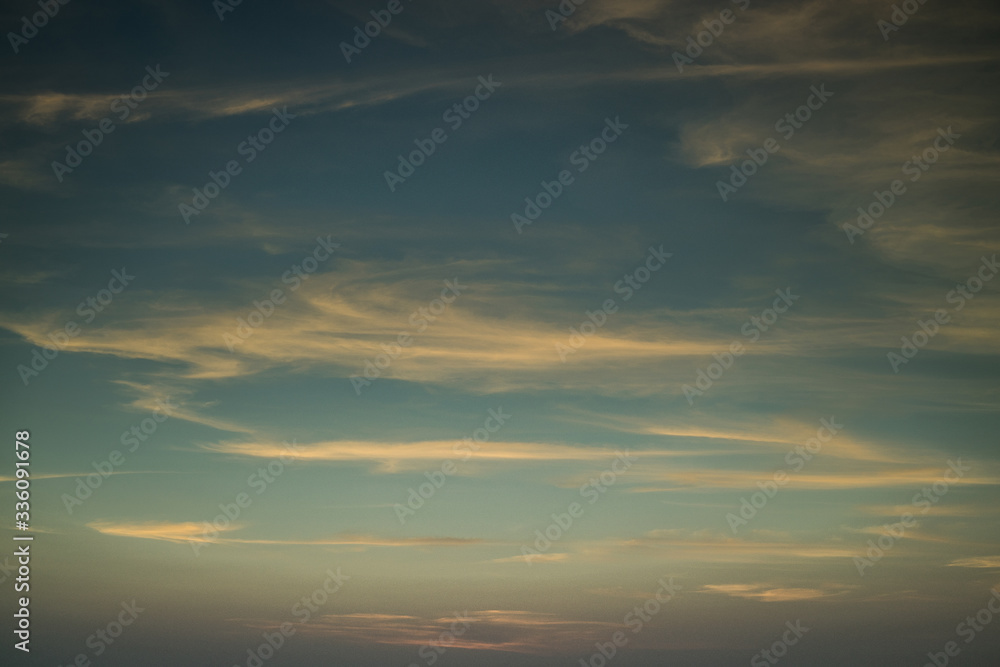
[399,381]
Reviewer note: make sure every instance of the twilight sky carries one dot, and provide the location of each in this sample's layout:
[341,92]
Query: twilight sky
[508,333]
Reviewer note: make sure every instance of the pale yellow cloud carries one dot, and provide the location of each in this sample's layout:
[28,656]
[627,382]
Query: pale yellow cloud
[535,558]
[168,531]
[392,457]
[693,548]
[767,592]
[495,630]
[870,478]
[985,562]
[193,531]
[940,509]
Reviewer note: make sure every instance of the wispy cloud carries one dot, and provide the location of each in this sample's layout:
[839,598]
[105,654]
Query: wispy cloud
[201,532]
[770,592]
[527,632]
[985,562]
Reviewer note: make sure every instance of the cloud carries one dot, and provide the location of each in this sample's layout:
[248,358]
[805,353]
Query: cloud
[512,631]
[535,558]
[985,562]
[393,457]
[192,531]
[870,478]
[940,509]
[340,320]
[767,592]
[709,546]
[821,167]
[174,402]
[765,435]
[167,531]
[174,103]
[85,473]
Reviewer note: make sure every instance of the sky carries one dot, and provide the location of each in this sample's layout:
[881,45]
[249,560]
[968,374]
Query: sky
[505,333]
